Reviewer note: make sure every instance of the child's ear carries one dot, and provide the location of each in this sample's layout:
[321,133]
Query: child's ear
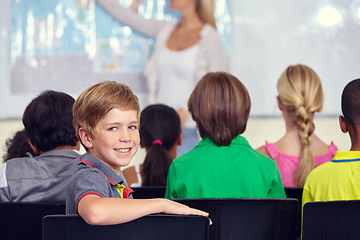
[342,122]
[179,141]
[85,138]
[281,107]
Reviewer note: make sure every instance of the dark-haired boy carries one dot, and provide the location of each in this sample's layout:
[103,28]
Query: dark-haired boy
[339,179]
[44,178]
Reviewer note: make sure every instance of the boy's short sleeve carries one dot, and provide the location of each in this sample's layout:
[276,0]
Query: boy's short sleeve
[306,197]
[170,183]
[91,182]
[84,183]
[277,189]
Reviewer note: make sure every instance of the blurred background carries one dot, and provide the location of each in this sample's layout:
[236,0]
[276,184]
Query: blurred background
[68,45]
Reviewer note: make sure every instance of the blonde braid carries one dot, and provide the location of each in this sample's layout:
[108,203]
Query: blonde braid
[300,92]
[307,163]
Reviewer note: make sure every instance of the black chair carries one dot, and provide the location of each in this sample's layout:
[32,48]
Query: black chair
[150,227]
[296,193]
[148,192]
[333,220]
[24,220]
[249,219]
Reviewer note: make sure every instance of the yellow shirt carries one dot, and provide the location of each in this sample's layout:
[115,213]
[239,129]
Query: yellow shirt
[338,179]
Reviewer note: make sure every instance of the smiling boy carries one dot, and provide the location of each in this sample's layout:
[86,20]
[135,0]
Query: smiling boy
[117,138]
[106,120]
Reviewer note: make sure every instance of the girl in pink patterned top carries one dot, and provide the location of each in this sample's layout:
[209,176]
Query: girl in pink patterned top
[299,150]
[287,164]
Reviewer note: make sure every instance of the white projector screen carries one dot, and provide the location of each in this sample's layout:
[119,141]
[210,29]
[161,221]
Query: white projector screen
[266,37]
[270,35]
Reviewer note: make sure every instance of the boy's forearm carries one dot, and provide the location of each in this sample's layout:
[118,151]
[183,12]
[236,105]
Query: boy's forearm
[107,211]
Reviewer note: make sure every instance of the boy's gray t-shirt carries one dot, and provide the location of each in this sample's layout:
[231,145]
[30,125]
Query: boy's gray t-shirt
[93,176]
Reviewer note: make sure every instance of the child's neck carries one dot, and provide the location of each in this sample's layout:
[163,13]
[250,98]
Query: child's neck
[355,138]
[355,148]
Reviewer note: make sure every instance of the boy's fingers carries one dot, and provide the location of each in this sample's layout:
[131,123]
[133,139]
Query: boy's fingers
[202,213]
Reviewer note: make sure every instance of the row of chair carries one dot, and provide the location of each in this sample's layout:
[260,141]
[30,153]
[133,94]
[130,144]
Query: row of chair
[232,219]
[158,192]
[159,227]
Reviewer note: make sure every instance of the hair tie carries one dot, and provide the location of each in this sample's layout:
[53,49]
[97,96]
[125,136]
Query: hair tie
[157,141]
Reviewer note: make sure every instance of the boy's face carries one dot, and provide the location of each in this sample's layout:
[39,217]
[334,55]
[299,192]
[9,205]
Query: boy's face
[116,139]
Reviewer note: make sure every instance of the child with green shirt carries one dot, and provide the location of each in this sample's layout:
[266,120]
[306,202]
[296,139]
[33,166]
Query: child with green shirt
[222,164]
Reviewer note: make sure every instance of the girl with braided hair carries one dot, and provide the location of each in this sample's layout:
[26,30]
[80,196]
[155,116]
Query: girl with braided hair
[299,150]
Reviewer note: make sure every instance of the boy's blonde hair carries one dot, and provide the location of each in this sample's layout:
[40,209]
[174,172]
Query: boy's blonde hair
[96,101]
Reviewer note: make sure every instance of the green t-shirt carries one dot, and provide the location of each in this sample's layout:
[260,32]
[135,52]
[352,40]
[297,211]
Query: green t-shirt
[234,171]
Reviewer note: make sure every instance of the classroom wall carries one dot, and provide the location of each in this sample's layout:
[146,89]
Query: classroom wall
[261,38]
[264,41]
[258,129]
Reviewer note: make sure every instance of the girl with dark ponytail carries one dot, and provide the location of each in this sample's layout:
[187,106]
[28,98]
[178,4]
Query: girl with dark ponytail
[160,134]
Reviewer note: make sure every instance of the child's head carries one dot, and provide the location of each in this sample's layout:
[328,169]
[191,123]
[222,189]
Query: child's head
[96,101]
[18,146]
[160,132]
[48,121]
[106,119]
[300,96]
[159,122]
[350,103]
[220,105]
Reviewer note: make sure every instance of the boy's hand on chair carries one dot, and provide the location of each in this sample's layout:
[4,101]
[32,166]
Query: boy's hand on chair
[172,207]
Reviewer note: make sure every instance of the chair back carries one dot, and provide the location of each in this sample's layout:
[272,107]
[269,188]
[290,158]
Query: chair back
[24,220]
[159,226]
[296,193]
[332,220]
[250,219]
[148,192]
